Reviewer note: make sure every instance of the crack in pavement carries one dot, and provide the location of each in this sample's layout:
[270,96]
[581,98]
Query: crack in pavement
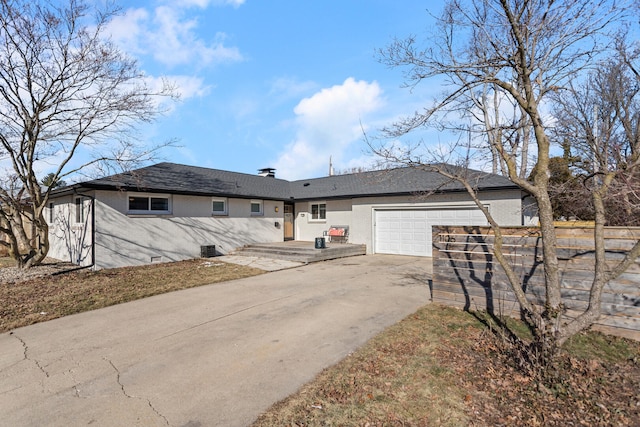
[128,396]
[26,354]
[118,378]
[10,390]
[158,413]
[225,316]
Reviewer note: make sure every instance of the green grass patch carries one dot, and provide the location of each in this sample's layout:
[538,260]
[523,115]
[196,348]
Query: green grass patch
[596,345]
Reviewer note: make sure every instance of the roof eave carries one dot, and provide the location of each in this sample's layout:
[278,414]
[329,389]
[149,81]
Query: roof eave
[403,193]
[109,187]
[74,189]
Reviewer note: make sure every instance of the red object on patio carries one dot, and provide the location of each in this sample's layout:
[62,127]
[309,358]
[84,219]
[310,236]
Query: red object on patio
[337,232]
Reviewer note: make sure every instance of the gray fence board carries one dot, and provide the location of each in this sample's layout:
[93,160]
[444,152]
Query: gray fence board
[466,274]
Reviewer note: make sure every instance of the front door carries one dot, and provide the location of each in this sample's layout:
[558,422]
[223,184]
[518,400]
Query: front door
[288,221]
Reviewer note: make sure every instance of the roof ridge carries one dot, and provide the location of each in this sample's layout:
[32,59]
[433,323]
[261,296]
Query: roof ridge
[213,169]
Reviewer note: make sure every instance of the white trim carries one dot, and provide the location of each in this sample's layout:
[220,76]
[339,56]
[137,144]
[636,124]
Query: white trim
[311,218]
[260,203]
[223,212]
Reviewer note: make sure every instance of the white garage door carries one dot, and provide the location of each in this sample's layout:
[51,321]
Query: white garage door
[408,231]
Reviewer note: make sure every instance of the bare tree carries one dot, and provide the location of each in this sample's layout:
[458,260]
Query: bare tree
[528,50]
[64,89]
[599,118]
[499,119]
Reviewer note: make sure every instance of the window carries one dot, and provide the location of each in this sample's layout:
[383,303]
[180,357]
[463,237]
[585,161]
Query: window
[219,206]
[149,204]
[159,203]
[256,207]
[138,203]
[318,211]
[50,213]
[79,211]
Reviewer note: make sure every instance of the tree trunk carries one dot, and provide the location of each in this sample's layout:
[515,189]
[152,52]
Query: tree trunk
[26,251]
[39,241]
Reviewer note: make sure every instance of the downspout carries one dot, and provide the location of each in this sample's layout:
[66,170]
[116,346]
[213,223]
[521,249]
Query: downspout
[93,228]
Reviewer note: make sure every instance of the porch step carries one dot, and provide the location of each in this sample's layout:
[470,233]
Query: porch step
[301,252]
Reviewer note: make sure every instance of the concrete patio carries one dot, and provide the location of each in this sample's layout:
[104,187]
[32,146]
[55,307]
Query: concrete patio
[301,251]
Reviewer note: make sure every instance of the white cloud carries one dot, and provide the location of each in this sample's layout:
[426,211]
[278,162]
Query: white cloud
[366,161]
[170,36]
[328,123]
[190,87]
[185,86]
[128,30]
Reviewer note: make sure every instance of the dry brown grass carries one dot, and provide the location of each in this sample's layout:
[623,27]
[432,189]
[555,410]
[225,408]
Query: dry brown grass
[443,367]
[47,298]
[6,262]
[395,379]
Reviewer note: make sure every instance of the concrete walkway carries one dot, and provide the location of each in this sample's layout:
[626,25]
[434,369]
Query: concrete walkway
[215,355]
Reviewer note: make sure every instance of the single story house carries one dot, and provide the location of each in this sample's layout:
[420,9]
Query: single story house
[169,212]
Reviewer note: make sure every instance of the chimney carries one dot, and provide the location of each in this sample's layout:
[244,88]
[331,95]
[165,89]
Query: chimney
[330,167]
[268,172]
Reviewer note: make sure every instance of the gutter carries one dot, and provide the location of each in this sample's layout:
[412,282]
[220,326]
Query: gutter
[396,194]
[280,198]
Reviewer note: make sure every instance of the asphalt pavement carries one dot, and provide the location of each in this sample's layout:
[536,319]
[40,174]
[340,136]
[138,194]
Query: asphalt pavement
[215,355]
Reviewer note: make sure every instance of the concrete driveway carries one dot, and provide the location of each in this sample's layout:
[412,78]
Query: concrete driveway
[215,355]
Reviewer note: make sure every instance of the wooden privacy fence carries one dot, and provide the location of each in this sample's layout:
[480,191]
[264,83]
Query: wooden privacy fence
[466,275]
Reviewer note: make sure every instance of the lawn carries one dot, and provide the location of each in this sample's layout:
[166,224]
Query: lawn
[437,367]
[6,262]
[444,367]
[46,298]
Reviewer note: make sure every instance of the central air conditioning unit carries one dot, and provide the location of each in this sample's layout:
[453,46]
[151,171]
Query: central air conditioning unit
[207,251]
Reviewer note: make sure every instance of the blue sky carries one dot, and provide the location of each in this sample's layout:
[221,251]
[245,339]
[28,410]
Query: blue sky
[278,83]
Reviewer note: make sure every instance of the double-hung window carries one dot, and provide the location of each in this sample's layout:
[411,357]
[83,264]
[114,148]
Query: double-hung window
[219,206]
[318,211]
[149,204]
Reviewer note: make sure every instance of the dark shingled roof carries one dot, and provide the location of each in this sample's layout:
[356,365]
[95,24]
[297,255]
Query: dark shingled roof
[182,179]
[406,180]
